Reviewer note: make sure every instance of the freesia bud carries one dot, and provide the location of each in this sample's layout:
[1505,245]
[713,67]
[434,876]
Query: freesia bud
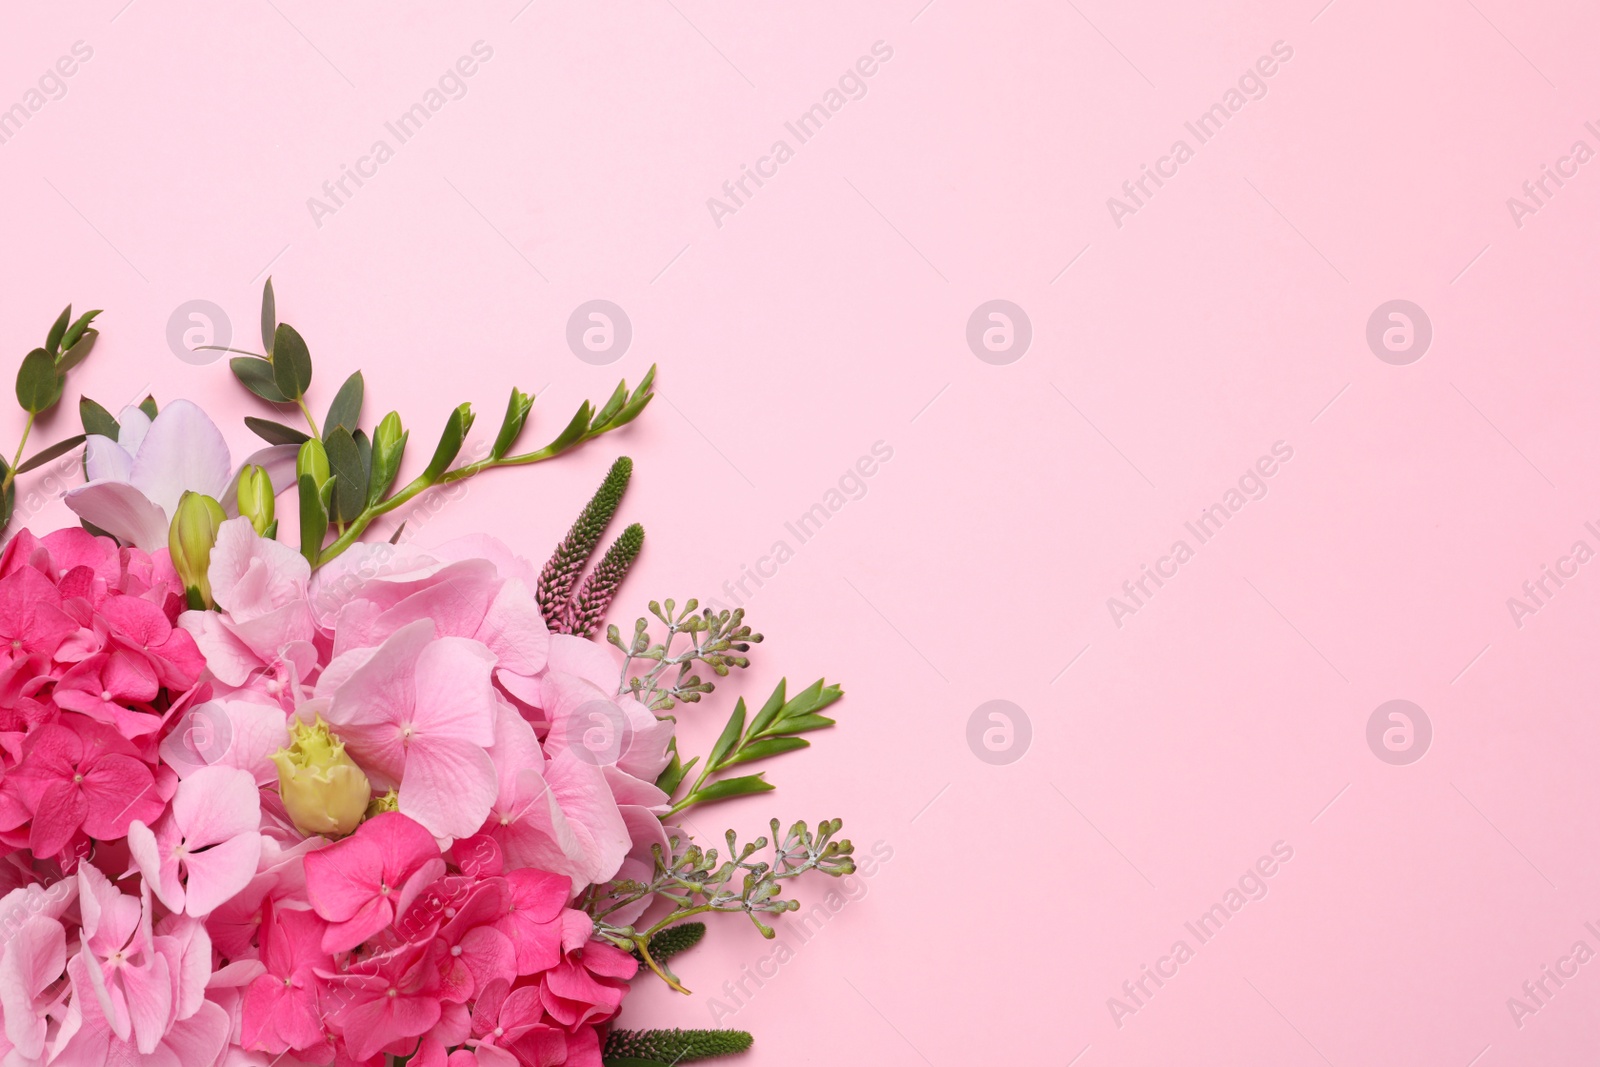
[313,460]
[190,538]
[256,498]
[323,790]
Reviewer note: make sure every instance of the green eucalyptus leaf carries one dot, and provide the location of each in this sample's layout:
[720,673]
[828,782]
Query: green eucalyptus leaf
[77,351]
[60,448]
[39,383]
[148,406]
[291,362]
[344,459]
[58,330]
[97,419]
[255,374]
[79,327]
[346,407]
[275,433]
[269,315]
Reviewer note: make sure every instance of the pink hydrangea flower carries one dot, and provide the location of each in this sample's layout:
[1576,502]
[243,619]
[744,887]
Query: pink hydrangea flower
[360,884]
[82,777]
[418,712]
[205,849]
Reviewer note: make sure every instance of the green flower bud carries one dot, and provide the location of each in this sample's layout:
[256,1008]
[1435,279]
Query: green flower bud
[390,801]
[190,539]
[323,789]
[256,498]
[388,446]
[313,460]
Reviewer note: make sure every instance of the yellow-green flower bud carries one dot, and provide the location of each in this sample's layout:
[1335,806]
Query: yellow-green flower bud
[390,801]
[255,498]
[312,460]
[322,788]
[190,538]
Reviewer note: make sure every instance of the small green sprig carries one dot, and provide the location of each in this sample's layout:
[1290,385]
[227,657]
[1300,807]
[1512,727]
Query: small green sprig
[695,881]
[41,379]
[673,1046]
[362,469]
[716,639]
[774,731]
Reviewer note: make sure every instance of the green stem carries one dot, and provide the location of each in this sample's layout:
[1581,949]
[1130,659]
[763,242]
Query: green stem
[11,472]
[311,422]
[418,485]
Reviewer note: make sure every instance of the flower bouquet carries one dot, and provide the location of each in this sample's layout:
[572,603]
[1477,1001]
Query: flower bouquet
[319,799]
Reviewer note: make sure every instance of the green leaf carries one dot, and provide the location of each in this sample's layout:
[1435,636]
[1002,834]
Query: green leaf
[78,351]
[769,711]
[275,433]
[672,777]
[733,787]
[346,407]
[291,362]
[255,374]
[344,459]
[97,419]
[148,406]
[772,746]
[60,448]
[39,383]
[78,329]
[52,343]
[631,1061]
[730,736]
[269,315]
[803,723]
[313,519]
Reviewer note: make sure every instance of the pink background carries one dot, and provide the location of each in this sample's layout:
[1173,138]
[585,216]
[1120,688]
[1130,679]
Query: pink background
[829,313]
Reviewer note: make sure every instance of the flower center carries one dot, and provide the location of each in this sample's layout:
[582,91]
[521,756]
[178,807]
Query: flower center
[499,1031]
[393,992]
[455,950]
[77,777]
[384,890]
[105,694]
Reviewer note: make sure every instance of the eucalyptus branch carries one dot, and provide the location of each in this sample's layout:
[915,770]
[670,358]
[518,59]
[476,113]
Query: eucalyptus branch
[696,881]
[717,639]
